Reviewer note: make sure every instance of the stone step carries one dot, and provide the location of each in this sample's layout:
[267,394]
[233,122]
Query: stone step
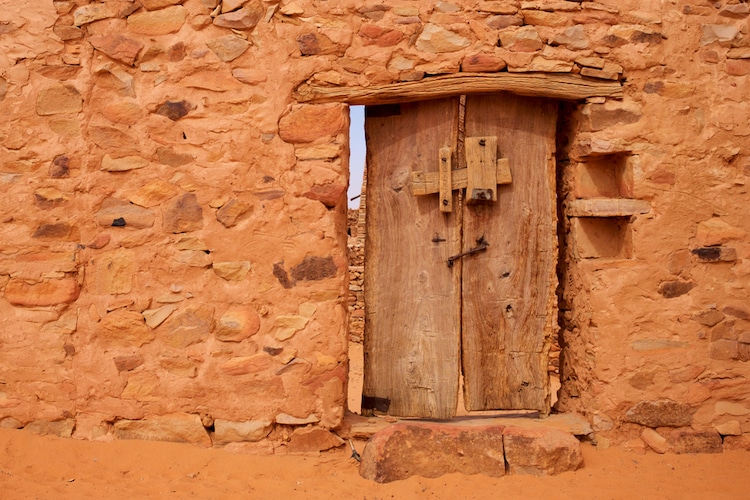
[431,449]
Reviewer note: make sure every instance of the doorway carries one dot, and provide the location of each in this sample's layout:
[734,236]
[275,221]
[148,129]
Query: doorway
[489,316]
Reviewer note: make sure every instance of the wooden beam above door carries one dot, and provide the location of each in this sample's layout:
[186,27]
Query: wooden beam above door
[551,85]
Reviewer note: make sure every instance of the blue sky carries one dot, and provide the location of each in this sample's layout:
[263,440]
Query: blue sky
[357,152]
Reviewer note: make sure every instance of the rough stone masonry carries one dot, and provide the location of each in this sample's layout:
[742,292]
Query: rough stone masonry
[173,260]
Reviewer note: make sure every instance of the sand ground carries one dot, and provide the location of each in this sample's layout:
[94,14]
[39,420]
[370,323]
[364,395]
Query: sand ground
[45,467]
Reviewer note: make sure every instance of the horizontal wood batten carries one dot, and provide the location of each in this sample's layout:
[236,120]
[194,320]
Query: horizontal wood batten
[552,85]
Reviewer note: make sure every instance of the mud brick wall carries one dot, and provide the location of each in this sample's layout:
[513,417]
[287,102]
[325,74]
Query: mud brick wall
[173,250]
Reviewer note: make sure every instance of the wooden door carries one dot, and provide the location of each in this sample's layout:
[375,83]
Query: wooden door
[490,316]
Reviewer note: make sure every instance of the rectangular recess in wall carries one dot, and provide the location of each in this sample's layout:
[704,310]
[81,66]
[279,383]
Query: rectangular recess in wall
[602,237]
[609,176]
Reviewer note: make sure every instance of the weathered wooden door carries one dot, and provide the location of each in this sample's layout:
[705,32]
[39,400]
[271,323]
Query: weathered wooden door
[489,317]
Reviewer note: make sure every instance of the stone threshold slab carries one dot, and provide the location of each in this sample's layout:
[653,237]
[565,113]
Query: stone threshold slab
[359,427]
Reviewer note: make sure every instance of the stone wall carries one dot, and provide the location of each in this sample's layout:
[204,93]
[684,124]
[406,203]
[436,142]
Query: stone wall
[173,254]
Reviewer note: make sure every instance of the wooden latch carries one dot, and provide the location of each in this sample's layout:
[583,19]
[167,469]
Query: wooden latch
[483,172]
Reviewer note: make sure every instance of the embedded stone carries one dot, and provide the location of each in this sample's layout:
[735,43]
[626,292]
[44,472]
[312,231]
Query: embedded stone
[59,100]
[372,34]
[317,152]
[542,18]
[168,156]
[715,254]
[174,110]
[98,11]
[153,193]
[112,272]
[286,419]
[211,80]
[737,442]
[229,47]
[236,325]
[504,21]
[126,112]
[133,215]
[715,231]
[730,428]
[287,326]
[46,293]
[128,363]
[722,33]
[57,231]
[110,138]
[60,167]
[117,47]
[307,122]
[672,289]
[232,271]
[123,164]
[182,214]
[654,440]
[232,212]
[57,72]
[66,324]
[482,63]
[312,440]
[724,349]
[710,317]
[155,317]
[179,366]
[159,22]
[48,197]
[245,18]
[314,268]
[159,4]
[189,326]
[547,66]
[226,431]
[178,427]
[538,451]
[437,39]
[123,328]
[661,413]
[61,428]
[67,32]
[328,194]
[685,374]
[243,365]
[249,76]
[311,44]
[431,450]
[573,38]
[524,39]
[690,441]
[738,67]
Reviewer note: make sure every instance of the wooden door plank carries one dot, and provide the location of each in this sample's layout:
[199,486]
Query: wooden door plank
[509,301]
[412,340]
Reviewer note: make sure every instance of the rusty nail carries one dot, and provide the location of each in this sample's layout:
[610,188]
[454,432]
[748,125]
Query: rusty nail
[481,142]
[445,202]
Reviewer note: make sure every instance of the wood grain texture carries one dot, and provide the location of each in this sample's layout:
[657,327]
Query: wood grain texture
[509,302]
[481,163]
[412,344]
[429,182]
[446,185]
[555,86]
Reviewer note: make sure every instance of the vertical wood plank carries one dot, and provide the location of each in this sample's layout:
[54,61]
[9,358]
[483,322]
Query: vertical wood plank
[411,341]
[509,302]
[446,184]
[481,161]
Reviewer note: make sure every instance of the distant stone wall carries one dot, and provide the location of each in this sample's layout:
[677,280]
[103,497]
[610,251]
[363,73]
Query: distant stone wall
[173,251]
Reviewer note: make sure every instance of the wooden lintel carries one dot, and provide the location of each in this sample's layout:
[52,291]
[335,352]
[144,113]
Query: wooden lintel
[552,85]
[429,183]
